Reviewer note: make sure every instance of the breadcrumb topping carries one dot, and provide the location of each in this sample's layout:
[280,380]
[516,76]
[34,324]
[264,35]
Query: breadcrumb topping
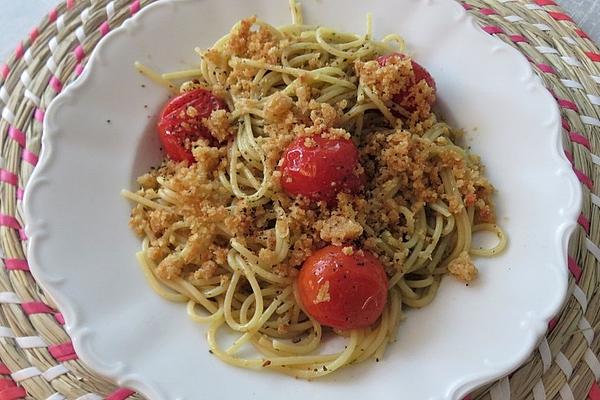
[463,268]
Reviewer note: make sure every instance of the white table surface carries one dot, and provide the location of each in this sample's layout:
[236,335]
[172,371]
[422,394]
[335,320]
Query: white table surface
[18,17]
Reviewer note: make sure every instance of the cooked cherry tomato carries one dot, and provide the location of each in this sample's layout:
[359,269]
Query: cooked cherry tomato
[180,122]
[343,291]
[420,74]
[320,168]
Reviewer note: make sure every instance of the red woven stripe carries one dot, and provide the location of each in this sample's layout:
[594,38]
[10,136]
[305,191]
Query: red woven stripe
[583,178]
[552,324]
[20,50]
[559,16]
[30,157]
[104,28]
[593,56]
[17,135]
[39,114]
[569,156]
[493,30]
[59,318]
[70,4]
[17,264]
[8,177]
[467,397]
[79,53]
[6,383]
[134,7]
[23,235]
[546,68]
[9,221]
[13,393]
[120,394]
[574,268]
[518,38]
[545,2]
[4,71]
[564,103]
[580,139]
[56,84]
[4,370]
[584,222]
[52,15]
[581,33]
[594,393]
[488,11]
[565,124]
[36,307]
[33,34]
[63,352]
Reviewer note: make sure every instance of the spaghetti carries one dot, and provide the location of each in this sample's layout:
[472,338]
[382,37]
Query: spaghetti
[221,235]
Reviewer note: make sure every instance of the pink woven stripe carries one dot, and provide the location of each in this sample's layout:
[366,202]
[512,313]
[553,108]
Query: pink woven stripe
[583,178]
[545,3]
[19,51]
[8,177]
[70,4]
[17,135]
[6,383]
[33,34]
[467,397]
[518,38]
[493,30]
[4,71]
[30,157]
[4,370]
[9,221]
[120,394]
[39,114]
[63,352]
[78,69]
[59,318]
[569,156]
[594,393]
[581,33]
[52,15]
[593,56]
[574,268]
[13,393]
[546,68]
[488,11]
[16,264]
[559,16]
[104,28]
[552,324]
[56,84]
[580,139]
[565,124]
[23,235]
[584,222]
[20,193]
[134,7]
[564,103]
[467,6]
[36,307]
[79,53]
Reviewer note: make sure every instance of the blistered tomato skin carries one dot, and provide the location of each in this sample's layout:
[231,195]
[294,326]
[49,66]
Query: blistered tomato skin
[180,122]
[420,74]
[320,168]
[343,291]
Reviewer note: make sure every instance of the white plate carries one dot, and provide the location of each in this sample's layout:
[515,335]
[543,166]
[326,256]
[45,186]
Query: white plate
[82,251]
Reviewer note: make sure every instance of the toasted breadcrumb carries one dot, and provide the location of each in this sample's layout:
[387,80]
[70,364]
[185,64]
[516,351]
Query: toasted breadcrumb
[463,268]
[323,295]
[338,229]
[218,124]
[388,80]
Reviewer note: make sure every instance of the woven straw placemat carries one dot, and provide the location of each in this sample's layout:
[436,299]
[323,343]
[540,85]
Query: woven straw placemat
[37,357]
